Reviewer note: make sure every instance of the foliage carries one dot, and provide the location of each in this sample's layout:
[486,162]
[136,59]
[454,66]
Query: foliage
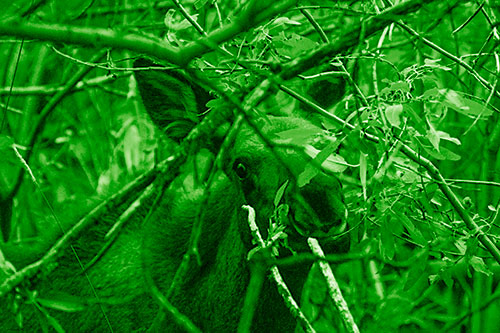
[424,81]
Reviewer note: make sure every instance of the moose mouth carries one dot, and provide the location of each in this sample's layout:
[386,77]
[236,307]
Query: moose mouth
[312,224]
[330,229]
[315,212]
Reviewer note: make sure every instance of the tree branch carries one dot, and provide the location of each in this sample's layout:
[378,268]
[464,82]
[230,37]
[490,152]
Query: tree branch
[98,37]
[350,38]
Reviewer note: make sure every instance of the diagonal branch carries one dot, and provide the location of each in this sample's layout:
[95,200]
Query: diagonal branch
[99,37]
[351,38]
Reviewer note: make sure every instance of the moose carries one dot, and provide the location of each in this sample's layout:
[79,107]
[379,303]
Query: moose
[212,293]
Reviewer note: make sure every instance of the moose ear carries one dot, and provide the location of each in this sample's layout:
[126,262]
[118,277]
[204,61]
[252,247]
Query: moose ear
[172,98]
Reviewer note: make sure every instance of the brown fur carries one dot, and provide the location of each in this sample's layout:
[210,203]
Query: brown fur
[212,294]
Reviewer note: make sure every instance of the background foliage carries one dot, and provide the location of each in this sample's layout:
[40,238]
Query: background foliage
[427,79]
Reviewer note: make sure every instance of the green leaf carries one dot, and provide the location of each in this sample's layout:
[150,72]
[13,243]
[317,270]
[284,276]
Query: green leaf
[54,323]
[392,113]
[200,4]
[458,102]
[362,171]
[278,22]
[386,243]
[73,305]
[431,144]
[299,136]
[321,158]
[478,265]
[447,137]
[414,232]
[293,45]
[431,94]
[417,271]
[279,194]
[433,137]
[11,9]
[443,154]
[172,23]
[396,90]
[414,118]
[333,163]
[434,63]
[60,11]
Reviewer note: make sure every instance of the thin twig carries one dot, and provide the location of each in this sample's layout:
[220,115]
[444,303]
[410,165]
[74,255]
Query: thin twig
[52,89]
[333,287]
[97,37]
[433,171]
[315,25]
[189,18]
[55,251]
[349,38]
[179,318]
[73,250]
[463,25]
[280,283]
[192,251]
[485,83]
[46,112]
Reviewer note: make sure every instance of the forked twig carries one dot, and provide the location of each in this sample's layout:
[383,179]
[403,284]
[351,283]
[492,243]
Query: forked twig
[276,275]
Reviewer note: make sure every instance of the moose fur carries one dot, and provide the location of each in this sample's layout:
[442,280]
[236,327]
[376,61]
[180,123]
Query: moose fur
[212,294]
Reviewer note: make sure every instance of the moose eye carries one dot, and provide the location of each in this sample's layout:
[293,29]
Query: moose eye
[240,169]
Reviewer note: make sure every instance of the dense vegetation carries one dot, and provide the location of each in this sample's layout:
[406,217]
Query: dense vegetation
[405,91]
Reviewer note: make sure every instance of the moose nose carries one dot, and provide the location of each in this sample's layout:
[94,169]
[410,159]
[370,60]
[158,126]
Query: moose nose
[321,209]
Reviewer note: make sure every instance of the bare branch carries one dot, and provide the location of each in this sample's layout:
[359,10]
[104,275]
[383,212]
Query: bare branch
[333,288]
[280,283]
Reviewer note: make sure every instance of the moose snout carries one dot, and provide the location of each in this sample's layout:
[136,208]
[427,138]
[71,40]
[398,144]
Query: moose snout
[318,208]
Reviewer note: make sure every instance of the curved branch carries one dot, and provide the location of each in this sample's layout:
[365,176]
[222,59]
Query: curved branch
[99,37]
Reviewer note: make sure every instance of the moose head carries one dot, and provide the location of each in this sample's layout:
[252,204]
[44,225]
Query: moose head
[263,166]
[259,169]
